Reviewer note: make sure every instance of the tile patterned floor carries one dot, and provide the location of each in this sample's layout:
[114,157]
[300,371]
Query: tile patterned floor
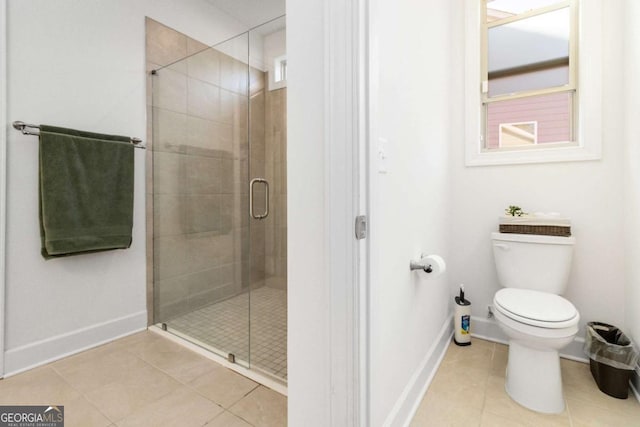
[468,390]
[225,326]
[146,380]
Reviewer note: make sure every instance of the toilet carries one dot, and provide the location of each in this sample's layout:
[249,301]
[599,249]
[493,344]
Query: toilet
[533,272]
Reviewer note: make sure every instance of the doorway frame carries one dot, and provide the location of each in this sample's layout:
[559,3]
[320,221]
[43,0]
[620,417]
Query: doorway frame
[3,174]
[347,153]
[328,53]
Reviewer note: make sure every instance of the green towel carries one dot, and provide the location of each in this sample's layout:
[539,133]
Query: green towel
[86,191]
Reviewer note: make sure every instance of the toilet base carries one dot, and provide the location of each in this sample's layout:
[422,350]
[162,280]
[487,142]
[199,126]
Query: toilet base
[534,379]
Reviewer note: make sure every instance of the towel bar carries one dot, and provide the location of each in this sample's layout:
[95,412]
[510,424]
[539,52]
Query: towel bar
[22,127]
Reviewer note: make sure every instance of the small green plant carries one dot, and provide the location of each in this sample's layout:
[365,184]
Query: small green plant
[514,211]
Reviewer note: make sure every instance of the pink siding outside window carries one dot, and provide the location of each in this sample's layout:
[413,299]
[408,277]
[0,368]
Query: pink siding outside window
[551,112]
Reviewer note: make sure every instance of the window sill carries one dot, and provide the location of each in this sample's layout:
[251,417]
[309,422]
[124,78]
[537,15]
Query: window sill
[518,157]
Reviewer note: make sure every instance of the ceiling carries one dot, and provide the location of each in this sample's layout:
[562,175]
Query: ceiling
[251,12]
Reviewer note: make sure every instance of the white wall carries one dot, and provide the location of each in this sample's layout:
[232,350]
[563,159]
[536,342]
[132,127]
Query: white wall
[410,204]
[309,387]
[275,45]
[590,193]
[267,42]
[631,84]
[79,64]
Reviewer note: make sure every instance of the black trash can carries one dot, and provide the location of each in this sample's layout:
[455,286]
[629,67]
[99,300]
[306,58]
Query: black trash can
[611,358]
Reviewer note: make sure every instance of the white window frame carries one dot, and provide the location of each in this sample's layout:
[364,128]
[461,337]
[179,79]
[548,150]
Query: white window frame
[274,74]
[278,67]
[588,101]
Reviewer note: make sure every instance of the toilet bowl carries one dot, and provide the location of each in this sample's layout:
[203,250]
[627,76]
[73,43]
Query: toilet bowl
[533,271]
[533,377]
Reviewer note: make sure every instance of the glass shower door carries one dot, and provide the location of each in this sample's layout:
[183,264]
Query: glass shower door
[268,221]
[201,242]
[219,199]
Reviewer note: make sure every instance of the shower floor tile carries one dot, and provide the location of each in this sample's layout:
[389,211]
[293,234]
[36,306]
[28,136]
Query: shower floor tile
[227,325]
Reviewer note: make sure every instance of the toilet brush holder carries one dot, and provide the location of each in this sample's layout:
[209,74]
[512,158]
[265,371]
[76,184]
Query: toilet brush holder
[462,320]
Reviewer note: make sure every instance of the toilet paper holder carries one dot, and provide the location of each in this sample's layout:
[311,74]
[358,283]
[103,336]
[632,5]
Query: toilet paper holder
[420,265]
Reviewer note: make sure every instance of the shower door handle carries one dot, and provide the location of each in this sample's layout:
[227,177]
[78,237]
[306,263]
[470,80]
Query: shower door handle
[265,213]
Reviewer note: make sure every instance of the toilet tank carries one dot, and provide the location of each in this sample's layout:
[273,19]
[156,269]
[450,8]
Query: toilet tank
[527,261]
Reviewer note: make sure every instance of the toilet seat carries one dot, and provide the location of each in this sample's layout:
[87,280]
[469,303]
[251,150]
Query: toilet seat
[535,308]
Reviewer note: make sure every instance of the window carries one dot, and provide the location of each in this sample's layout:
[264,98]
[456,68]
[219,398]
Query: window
[280,69]
[528,71]
[278,74]
[528,99]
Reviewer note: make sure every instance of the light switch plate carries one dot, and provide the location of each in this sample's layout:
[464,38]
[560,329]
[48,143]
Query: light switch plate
[382,156]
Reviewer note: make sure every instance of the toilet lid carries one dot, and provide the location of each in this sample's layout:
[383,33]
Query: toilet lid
[536,306]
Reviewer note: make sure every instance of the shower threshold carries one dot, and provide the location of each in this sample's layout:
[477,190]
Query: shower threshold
[205,350]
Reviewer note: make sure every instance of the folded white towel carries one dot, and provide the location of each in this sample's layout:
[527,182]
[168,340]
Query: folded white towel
[552,219]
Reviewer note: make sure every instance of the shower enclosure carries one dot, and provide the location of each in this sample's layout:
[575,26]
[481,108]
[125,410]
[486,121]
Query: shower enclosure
[219,198]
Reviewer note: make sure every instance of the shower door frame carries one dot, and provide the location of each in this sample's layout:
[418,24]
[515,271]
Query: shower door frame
[221,354]
[244,365]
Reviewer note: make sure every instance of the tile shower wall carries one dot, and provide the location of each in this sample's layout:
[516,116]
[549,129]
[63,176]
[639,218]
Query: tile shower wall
[257,169]
[197,198]
[276,173]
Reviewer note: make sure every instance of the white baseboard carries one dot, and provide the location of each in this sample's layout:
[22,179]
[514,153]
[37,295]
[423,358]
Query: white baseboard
[53,348]
[408,402]
[488,329]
